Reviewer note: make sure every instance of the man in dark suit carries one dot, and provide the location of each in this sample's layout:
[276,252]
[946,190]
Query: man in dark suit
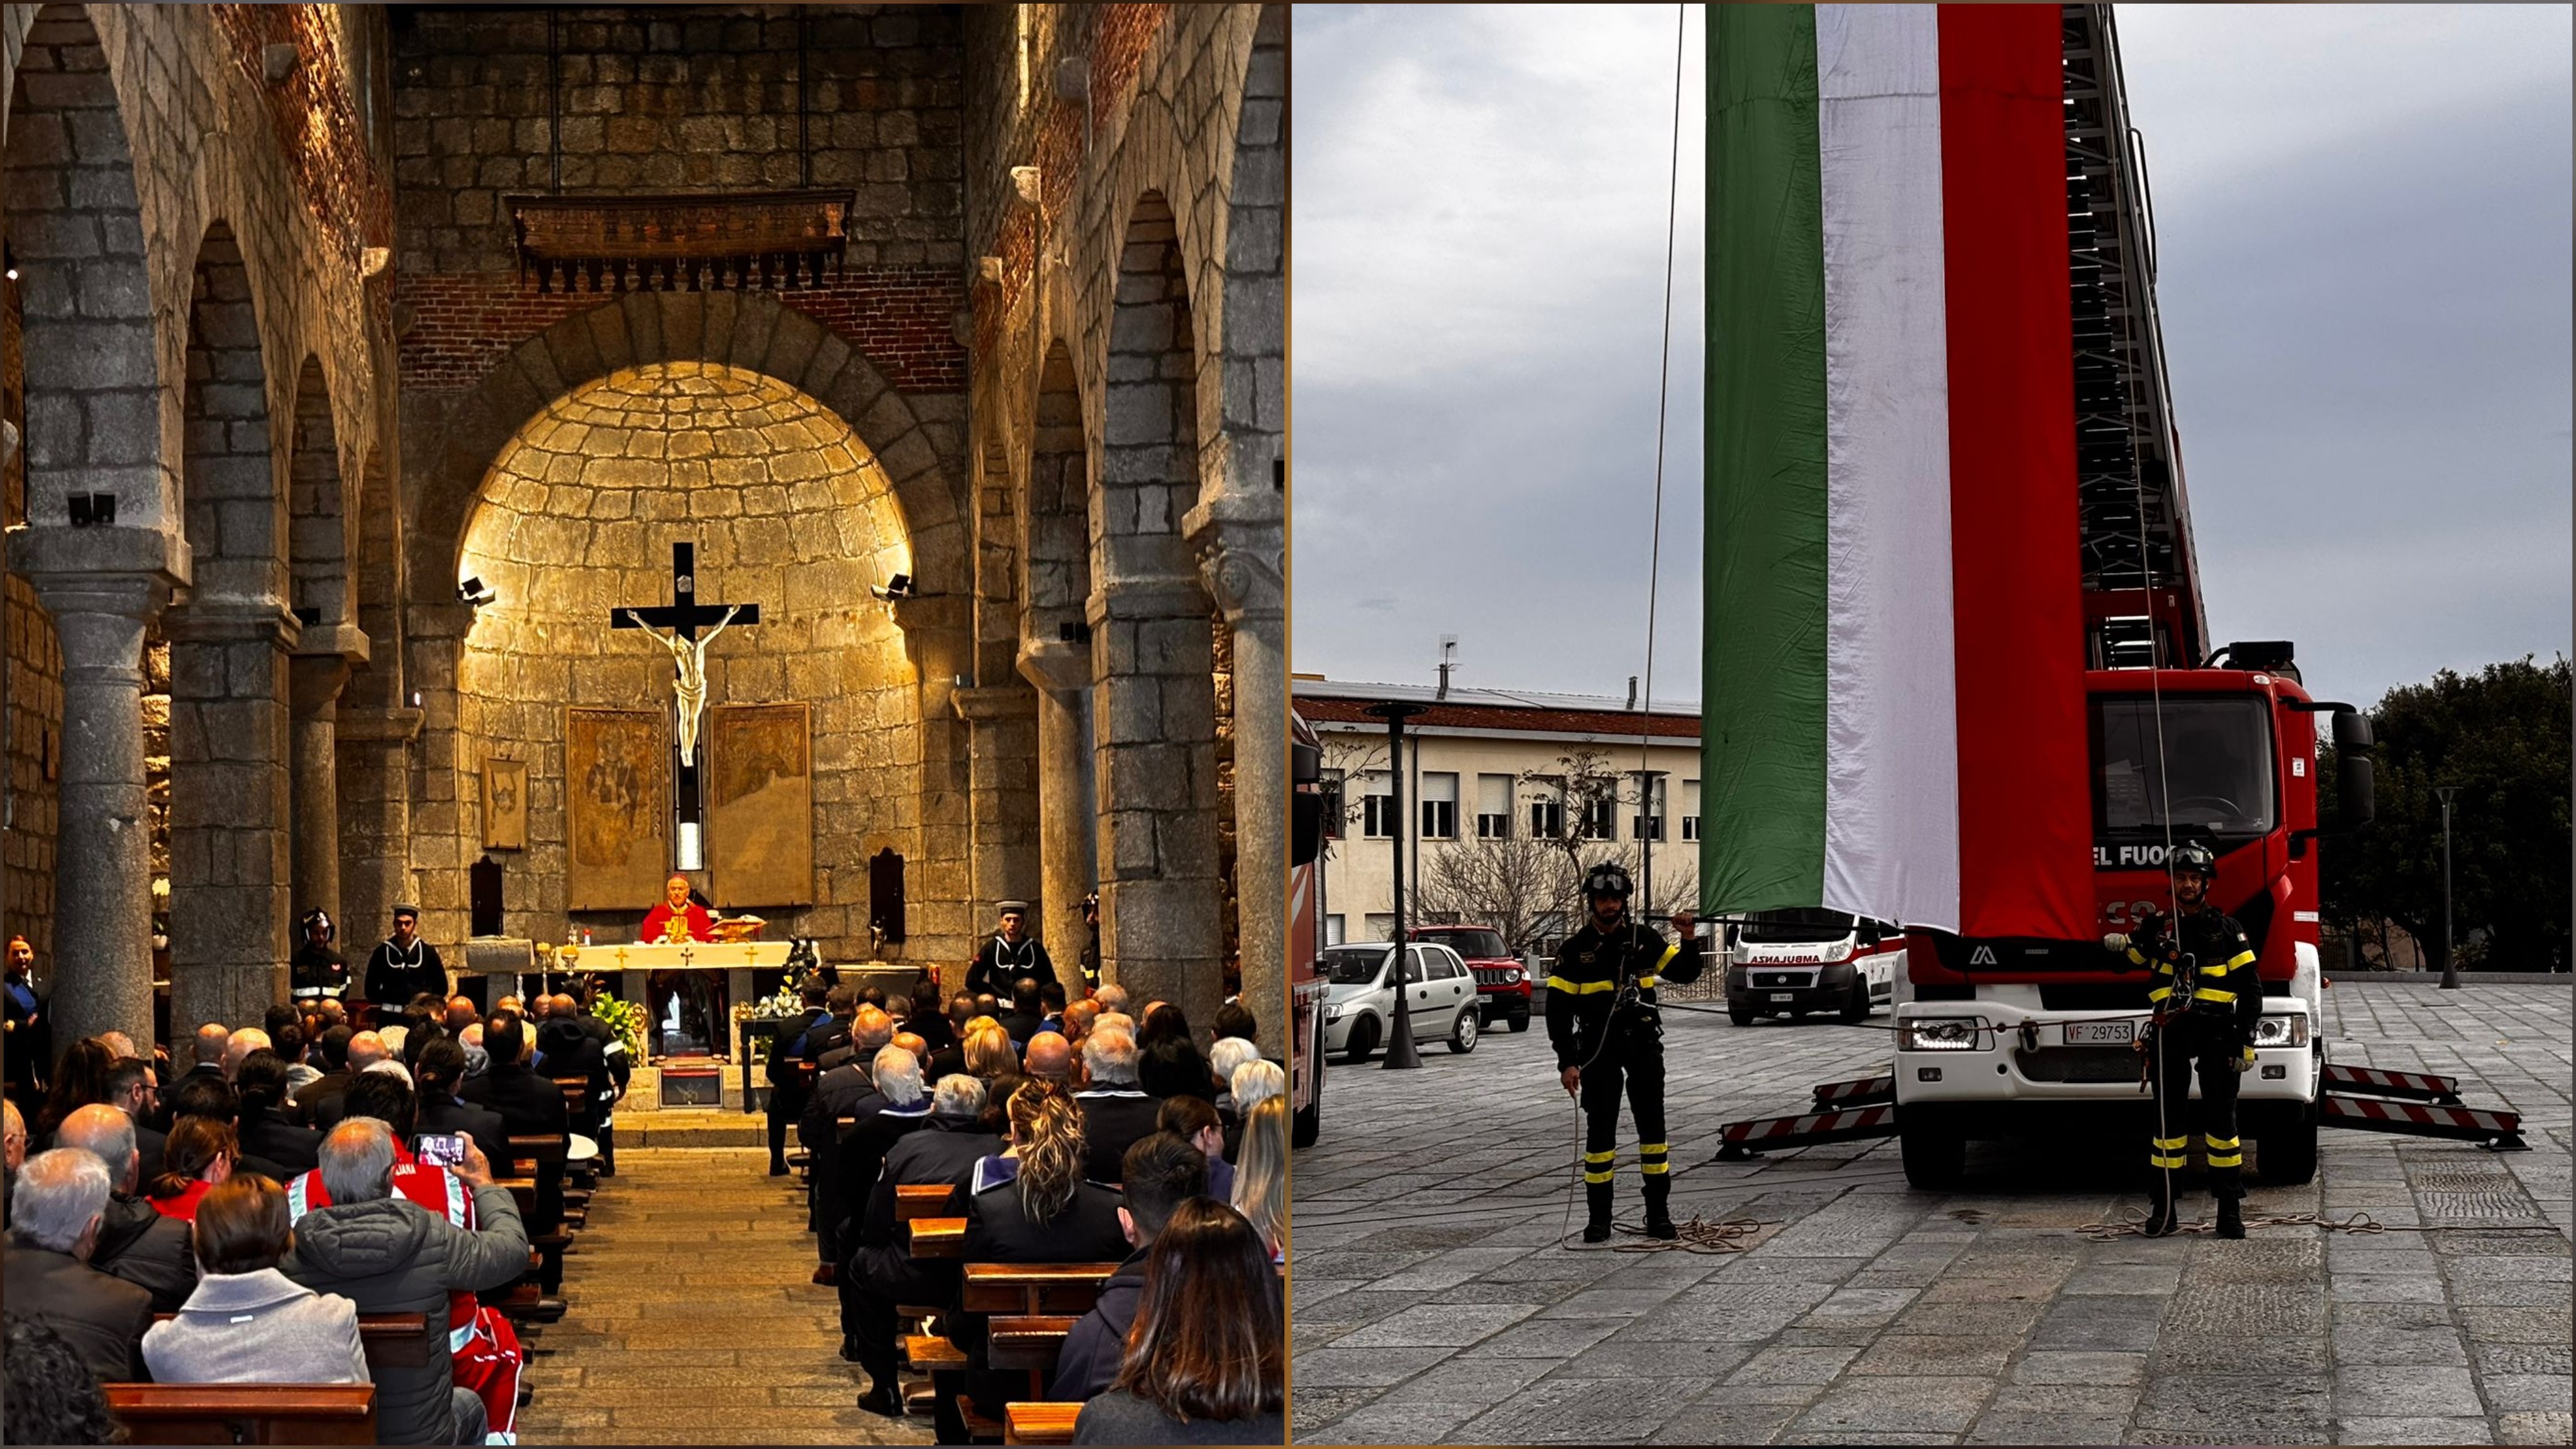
[333,1081]
[1023,1017]
[882,1270]
[787,1085]
[611,1070]
[134,1241]
[440,1072]
[529,1106]
[130,1090]
[61,1198]
[1116,1112]
[262,1085]
[365,1049]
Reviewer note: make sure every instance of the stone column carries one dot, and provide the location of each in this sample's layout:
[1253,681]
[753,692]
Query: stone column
[230,810]
[440,850]
[102,587]
[1243,576]
[1002,804]
[315,677]
[1154,730]
[375,814]
[1068,861]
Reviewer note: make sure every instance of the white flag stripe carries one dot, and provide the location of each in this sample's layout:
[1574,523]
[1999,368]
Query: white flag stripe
[1891,715]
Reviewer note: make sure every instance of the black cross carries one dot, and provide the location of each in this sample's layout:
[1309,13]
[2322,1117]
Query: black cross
[683,616]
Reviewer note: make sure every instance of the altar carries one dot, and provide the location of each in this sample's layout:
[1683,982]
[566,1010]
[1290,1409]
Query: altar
[686,1014]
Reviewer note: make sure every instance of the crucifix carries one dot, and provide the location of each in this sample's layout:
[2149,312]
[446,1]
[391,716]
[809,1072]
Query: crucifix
[689,688]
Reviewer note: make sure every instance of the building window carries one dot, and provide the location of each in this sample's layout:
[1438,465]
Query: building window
[1601,818]
[1493,807]
[1649,823]
[1331,790]
[1439,805]
[1377,807]
[1333,929]
[1547,811]
[1690,809]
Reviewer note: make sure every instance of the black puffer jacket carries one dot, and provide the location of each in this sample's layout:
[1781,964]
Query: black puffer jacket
[390,1255]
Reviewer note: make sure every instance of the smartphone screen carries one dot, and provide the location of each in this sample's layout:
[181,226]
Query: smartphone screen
[440,1149]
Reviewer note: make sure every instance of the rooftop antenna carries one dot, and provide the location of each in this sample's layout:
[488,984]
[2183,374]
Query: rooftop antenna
[1448,661]
[1632,691]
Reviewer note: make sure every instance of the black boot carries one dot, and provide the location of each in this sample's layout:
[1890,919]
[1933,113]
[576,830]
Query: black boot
[2162,1209]
[2231,1218]
[1596,1197]
[881,1398]
[1659,1208]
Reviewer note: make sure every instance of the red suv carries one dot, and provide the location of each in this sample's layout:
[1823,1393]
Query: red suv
[1502,982]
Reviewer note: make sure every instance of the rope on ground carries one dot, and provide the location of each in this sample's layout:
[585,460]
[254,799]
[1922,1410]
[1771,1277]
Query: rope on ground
[2360,1224]
[1698,1235]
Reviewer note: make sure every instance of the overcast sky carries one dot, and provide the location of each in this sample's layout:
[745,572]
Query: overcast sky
[2363,214]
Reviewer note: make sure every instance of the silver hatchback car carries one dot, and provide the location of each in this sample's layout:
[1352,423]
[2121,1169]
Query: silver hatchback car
[1359,1000]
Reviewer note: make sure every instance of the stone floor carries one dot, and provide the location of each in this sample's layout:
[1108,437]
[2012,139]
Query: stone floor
[691,1318]
[1430,1300]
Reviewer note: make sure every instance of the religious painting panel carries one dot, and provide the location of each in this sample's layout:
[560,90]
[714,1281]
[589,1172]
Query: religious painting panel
[505,804]
[617,806]
[760,805]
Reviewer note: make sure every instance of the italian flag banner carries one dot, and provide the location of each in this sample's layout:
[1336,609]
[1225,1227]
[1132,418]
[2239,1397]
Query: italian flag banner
[1894,723]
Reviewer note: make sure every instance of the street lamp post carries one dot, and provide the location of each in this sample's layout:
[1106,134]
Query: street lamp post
[1400,1052]
[2450,955]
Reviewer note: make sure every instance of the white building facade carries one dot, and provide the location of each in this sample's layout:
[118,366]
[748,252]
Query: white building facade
[1508,796]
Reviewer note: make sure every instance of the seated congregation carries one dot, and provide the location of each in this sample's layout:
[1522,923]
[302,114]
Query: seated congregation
[273,1218]
[1062,1224]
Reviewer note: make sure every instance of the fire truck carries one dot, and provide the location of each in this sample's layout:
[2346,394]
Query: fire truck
[1306,984]
[2009,1037]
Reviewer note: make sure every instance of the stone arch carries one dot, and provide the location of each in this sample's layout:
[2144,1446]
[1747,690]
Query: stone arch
[319,524]
[95,421]
[753,332]
[1252,359]
[230,867]
[1055,586]
[1153,640]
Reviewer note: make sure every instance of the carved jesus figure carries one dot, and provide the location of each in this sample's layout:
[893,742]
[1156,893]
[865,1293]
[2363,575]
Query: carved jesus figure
[689,686]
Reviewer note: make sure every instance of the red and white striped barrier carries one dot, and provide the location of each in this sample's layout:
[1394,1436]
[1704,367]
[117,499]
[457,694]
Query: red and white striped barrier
[1773,1134]
[2394,1084]
[1859,1091]
[2503,1130]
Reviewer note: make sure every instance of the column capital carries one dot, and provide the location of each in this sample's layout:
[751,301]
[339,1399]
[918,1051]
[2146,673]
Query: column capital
[1241,540]
[345,642]
[387,726]
[1055,666]
[231,621]
[1150,597]
[314,682]
[130,572]
[994,702]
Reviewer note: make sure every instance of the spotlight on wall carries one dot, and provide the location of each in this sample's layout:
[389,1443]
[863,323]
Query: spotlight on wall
[474,591]
[691,852]
[90,508]
[898,587]
[1070,632]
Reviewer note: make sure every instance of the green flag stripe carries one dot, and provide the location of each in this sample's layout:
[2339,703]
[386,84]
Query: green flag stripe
[1762,769]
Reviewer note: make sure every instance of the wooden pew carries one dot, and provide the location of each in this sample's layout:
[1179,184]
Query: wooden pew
[391,1340]
[938,1237]
[1027,1342]
[1034,1288]
[912,1201]
[246,1413]
[1039,1423]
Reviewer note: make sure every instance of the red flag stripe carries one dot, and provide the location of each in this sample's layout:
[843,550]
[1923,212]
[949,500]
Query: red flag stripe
[2025,813]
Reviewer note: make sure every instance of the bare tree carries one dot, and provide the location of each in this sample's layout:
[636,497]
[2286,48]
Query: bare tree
[1513,884]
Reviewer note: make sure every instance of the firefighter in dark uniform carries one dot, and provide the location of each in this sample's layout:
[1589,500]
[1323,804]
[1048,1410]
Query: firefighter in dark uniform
[1601,1019]
[317,969]
[2208,1001]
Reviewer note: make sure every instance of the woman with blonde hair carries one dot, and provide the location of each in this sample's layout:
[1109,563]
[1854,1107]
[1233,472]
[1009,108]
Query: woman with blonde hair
[1261,1174]
[988,1051]
[198,1157]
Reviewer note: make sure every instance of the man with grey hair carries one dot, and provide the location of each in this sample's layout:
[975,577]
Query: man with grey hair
[1116,1112]
[212,1038]
[893,1105]
[383,1253]
[135,1242]
[241,1044]
[882,1271]
[1112,997]
[53,1227]
[366,1049]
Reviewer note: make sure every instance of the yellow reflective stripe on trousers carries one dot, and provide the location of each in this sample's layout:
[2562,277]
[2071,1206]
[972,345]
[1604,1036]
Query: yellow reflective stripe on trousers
[1580,988]
[2221,1144]
[1596,1178]
[2172,1144]
[2161,1160]
[2212,993]
[2227,1159]
[1596,1157]
[1651,1158]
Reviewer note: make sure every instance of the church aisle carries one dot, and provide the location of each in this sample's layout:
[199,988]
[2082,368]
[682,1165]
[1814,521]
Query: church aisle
[691,1318]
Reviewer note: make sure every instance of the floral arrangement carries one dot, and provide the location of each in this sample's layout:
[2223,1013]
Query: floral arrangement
[626,1018]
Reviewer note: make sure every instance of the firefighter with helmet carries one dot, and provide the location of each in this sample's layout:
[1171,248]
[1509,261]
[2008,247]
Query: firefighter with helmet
[317,970]
[1602,1021]
[2208,1001]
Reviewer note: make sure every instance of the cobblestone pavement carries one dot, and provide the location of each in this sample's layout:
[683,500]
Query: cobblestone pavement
[690,1318]
[1431,1303]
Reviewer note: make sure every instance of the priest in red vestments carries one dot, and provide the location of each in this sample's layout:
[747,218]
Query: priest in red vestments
[676,918]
